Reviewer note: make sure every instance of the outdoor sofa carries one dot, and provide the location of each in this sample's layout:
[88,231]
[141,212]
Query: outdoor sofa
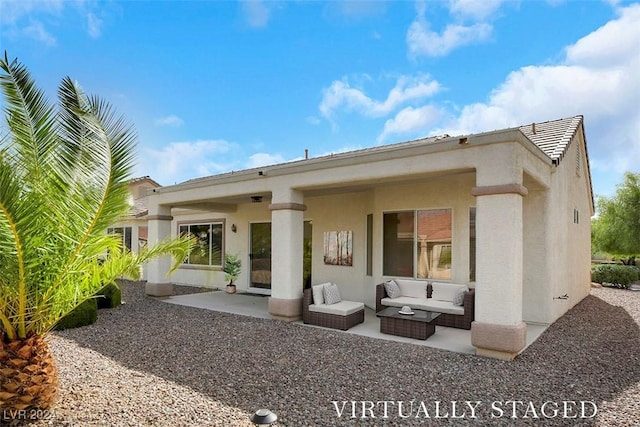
[456,303]
[330,314]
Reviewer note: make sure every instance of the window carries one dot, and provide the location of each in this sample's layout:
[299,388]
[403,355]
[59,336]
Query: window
[370,245]
[208,248]
[125,235]
[472,244]
[417,244]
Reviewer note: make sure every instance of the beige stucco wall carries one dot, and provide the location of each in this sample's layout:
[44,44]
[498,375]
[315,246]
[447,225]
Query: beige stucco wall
[569,245]
[236,243]
[536,268]
[346,211]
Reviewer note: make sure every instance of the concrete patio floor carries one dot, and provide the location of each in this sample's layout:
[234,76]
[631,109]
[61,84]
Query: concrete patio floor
[451,339]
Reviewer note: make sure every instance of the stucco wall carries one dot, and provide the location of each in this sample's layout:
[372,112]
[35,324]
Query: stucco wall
[342,212]
[536,284]
[236,243]
[346,211]
[570,243]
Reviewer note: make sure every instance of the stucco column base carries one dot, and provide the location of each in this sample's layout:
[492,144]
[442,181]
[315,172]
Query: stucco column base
[159,289]
[498,341]
[288,310]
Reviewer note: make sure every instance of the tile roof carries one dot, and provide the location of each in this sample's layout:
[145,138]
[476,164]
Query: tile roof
[553,137]
[144,178]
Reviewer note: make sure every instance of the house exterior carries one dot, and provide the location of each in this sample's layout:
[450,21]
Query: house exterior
[506,212]
[133,227]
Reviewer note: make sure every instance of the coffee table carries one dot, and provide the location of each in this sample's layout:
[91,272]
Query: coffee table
[419,325]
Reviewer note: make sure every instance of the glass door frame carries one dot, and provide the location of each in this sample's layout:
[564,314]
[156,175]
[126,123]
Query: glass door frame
[251,256]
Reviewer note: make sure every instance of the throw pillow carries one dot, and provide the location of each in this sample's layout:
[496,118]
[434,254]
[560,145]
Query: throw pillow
[318,293]
[392,288]
[331,294]
[459,298]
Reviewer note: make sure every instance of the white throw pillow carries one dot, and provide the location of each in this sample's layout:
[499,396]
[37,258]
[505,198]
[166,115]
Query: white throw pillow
[318,293]
[331,294]
[393,291]
[459,298]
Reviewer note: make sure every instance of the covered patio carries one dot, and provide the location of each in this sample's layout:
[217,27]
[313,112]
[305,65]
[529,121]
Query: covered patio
[245,304]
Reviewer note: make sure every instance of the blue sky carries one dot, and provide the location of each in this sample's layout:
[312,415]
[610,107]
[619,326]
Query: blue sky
[214,86]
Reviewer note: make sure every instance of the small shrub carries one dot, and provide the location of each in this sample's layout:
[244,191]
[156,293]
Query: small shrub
[110,296]
[83,315]
[618,275]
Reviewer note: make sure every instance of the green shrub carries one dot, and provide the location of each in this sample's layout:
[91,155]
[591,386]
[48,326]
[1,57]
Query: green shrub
[110,296]
[83,315]
[618,275]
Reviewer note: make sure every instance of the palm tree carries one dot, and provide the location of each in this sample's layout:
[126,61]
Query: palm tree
[63,181]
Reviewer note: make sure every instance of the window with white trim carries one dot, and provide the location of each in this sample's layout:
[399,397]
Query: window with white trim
[208,248]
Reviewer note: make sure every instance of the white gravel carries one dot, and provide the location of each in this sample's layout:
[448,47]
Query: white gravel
[148,363]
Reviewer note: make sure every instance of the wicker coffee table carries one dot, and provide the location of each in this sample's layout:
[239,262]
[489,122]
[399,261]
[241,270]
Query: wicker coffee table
[419,325]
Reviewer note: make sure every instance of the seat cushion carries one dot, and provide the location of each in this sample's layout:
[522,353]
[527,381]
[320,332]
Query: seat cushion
[402,301]
[427,304]
[342,308]
[442,307]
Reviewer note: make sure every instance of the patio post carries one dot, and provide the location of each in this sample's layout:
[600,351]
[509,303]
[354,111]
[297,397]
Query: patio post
[159,223]
[498,330]
[287,230]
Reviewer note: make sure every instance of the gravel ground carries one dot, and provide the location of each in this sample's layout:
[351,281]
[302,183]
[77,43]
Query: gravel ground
[148,363]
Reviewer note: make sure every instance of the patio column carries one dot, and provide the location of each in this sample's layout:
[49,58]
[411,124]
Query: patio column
[159,223]
[287,227]
[498,330]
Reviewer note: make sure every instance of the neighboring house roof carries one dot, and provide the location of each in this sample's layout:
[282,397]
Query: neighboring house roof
[139,205]
[144,178]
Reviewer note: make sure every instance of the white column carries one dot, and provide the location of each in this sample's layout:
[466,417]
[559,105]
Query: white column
[498,330]
[159,220]
[287,228]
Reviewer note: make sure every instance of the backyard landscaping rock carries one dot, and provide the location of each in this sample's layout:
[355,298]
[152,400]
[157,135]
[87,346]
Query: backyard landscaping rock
[148,363]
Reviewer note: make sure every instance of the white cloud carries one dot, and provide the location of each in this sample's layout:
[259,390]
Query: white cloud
[597,78]
[610,45]
[411,120]
[340,95]
[171,120]
[94,25]
[479,10]
[36,31]
[256,13]
[264,159]
[313,120]
[179,161]
[422,41]
[12,11]
[25,18]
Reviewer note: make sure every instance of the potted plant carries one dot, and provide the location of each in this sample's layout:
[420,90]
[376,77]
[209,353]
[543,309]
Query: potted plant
[64,175]
[232,268]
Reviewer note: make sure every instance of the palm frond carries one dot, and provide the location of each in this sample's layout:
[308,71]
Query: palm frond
[63,181]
